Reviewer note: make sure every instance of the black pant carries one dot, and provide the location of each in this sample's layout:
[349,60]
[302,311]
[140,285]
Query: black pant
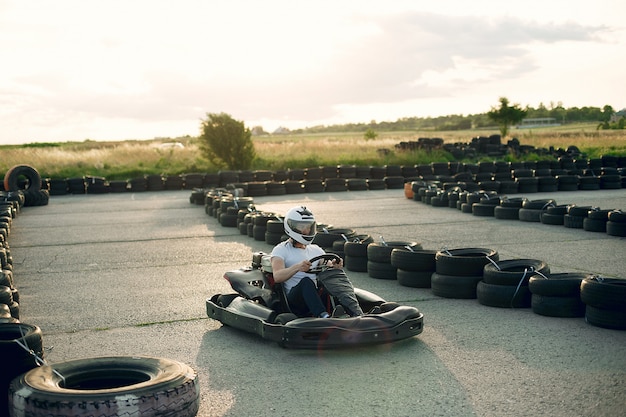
[304,299]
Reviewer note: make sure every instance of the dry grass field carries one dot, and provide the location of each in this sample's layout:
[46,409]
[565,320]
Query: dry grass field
[127,159]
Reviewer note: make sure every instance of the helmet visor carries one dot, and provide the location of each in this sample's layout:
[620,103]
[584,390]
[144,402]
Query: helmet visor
[303,227]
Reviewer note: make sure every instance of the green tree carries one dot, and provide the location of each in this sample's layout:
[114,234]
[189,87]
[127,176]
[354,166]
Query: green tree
[226,142]
[506,115]
[370,134]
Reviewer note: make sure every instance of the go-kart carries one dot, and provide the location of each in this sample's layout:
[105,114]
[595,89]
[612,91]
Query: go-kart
[260,306]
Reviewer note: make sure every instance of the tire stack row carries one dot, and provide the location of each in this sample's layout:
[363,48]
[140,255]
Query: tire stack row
[488,203]
[464,273]
[20,344]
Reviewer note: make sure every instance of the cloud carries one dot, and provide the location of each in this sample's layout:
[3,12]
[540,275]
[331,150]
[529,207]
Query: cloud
[282,63]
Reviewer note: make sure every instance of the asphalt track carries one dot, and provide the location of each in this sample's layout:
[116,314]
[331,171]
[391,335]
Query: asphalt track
[128,274]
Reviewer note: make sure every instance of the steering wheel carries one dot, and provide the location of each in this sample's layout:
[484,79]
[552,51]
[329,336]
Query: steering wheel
[322,266]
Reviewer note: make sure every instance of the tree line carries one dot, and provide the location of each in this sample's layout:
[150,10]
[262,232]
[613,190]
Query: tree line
[562,115]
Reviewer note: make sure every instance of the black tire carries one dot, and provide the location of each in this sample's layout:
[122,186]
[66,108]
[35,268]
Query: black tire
[617,216]
[552,219]
[530,215]
[414,279]
[16,359]
[454,286]
[355,263]
[545,305]
[419,260]
[616,229]
[604,293]
[506,213]
[13,175]
[557,285]
[146,386]
[355,249]
[579,211]
[514,271]
[594,225]
[381,252]
[541,204]
[608,319]
[573,222]
[504,296]
[483,210]
[464,262]
[381,270]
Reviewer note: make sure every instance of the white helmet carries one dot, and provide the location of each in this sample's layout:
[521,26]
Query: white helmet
[300,225]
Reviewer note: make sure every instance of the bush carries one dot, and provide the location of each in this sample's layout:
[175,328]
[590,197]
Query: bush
[226,142]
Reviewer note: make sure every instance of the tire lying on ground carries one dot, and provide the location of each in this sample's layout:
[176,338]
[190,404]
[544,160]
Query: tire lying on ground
[107,386]
[605,300]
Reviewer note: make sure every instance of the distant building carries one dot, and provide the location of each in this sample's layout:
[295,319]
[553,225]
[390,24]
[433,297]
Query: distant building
[529,123]
[615,117]
[281,131]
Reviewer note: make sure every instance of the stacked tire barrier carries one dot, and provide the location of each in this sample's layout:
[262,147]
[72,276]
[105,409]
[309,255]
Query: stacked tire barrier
[605,302]
[463,273]
[458,271]
[488,203]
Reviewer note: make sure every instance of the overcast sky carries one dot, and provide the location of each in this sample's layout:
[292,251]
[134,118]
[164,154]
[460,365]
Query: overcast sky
[138,69]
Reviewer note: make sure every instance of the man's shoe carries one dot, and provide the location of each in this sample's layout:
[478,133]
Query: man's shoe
[375,310]
[339,312]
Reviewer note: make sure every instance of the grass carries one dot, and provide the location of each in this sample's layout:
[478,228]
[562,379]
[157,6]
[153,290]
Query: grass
[129,159]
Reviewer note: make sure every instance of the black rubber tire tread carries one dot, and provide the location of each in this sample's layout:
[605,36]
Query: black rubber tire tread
[560,209]
[512,271]
[581,211]
[325,240]
[419,260]
[540,204]
[616,229]
[573,222]
[530,215]
[617,216]
[414,279]
[552,219]
[483,210]
[352,248]
[355,263]
[381,270]
[11,178]
[506,213]
[464,261]
[599,214]
[32,337]
[454,286]
[565,284]
[608,319]
[604,293]
[551,306]
[504,296]
[141,385]
[594,225]
[380,252]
